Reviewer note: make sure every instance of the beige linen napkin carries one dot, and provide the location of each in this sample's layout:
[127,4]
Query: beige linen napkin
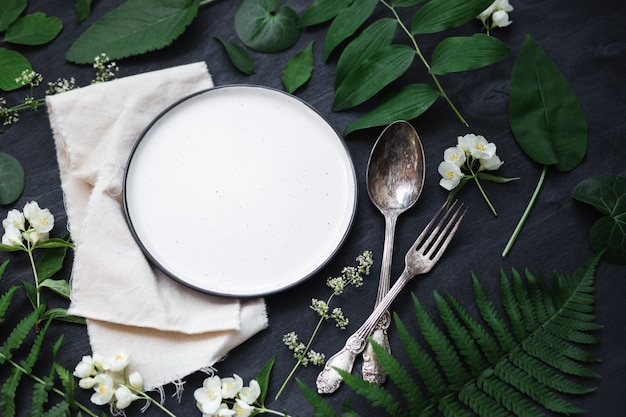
[169,330]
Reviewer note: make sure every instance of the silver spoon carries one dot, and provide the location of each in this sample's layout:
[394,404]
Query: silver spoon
[395,178]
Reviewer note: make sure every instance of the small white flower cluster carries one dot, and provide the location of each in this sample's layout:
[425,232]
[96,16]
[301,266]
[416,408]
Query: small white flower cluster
[470,149]
[8,115]
[223,397]
[61,85]
[300,352]
[105,68]
[496,15]
[29,77]
[106,375]
[31,226]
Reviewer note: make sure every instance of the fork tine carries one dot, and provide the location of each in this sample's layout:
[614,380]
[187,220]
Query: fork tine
[445,236]
[426,232]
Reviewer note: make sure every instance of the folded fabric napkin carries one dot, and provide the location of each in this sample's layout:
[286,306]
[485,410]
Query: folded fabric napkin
[169,330]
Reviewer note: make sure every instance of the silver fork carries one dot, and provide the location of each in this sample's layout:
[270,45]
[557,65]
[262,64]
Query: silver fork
[420,259]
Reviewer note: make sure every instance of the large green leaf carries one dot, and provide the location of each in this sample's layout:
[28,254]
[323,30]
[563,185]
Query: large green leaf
[12,64]
[299,69]
[134,28]
[12,179]
[405,104]
[379,34]
[10,10]
[372,75]
[346,24]
[458,54]
[545,116]
[321,11]
[607,193]
[33,29]
[438,15]
[265,27]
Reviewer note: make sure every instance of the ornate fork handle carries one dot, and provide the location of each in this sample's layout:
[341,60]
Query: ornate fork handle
[329,379]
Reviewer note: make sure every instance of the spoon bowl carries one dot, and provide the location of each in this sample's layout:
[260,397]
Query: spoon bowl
[394,179]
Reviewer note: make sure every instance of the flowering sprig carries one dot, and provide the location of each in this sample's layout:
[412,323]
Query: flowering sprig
[496,15]
[28,230]
[350,275]
[468,160]
[105,71]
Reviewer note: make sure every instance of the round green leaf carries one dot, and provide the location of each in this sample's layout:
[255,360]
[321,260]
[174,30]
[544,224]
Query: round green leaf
[12,179]
[134,28]
[607,193]
[264,27]
[545,116]
[458,54]
[12,64]
[10,10]
[33,29]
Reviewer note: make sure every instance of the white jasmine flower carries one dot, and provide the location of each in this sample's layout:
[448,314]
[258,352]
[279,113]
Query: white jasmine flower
[34,236]
[124,397]
[12,236]
[116,363]
[478,146]
[16,219]
[498,12]
[40,219]
[490,164]
[500,19]
[224,411]
[136,381]
[455,155]
[87,383]
[250,393]
[242,408]
[209,397]
[451,175]
[85,368]
[104,389]
[231,386]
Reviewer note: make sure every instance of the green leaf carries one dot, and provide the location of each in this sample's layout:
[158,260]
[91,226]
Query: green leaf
[545,116]
[59,286]
[33,29]
[61,314]
[495,178]
[607,193]
[12,64]
[83,9]
[405,104]
[52,261]
[321,408]
[134,28]
[12,179]
[238,56]
[458,54]
[321,11]
[376,36]
[10,10]
[372,75]
[5,301]
[263,378]
[299,69]
[346,24]
[263,26]
[54,243]
[438,15]
[406,3]
[7,248]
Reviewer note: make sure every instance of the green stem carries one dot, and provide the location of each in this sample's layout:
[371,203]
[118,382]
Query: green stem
[41,381]
[270,411]
[519,226]
[425,62]
[146,397]
[480,187]
[29,250]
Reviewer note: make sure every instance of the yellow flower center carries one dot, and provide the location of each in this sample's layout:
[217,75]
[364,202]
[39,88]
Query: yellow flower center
[449,174]
[480,147]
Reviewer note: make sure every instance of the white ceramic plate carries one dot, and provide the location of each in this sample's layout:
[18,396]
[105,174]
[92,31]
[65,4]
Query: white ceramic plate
[240,191]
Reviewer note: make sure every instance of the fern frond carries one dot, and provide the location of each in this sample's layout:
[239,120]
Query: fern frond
[512,308]
[452,407]
[40,398]
[481,403]
[541,297]
[3,266]
[569,350]
[492,317]
[488,345]
[8,392]
[17,336]
[377,395]
[509,397]
[401,378]
[61,409]
[421,361]
[5,301]
[321,408]
[554,358]
[445,353]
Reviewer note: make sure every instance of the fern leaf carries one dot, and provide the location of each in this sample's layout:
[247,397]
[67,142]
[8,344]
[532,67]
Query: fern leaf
[400,377]
[40,398]
[17,336]
[525,383]
[33,355]
[61,409]
[483,338]
[321,408]
[67,380]
[421,361]
[461,336]
[5,301]
[569,350]
[512,308]
[377,395]
[3,266]
[509,397]
[490,315]
[8,392]
[481,403]
[566,333]
[452,407]
[556,359]
[445,353]
[540,296]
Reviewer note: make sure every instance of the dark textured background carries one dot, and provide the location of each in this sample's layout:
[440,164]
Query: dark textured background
[586,39]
